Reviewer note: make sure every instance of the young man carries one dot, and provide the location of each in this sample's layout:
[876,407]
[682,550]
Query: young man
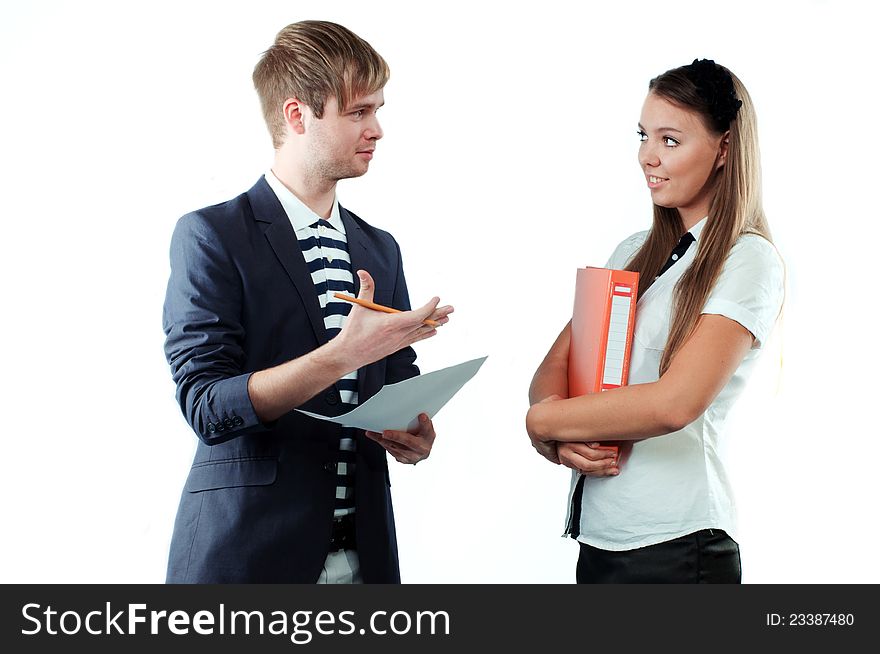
[254,330]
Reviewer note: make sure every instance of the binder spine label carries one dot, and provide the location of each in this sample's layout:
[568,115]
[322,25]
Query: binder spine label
[618,329]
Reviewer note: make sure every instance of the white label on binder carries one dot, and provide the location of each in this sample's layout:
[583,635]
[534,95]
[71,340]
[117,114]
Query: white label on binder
[615,350]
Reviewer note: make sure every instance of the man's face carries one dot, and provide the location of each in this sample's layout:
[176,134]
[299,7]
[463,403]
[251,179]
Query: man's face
[341,145]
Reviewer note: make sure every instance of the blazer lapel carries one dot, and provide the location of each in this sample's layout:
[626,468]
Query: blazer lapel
[359,254]
[279,232]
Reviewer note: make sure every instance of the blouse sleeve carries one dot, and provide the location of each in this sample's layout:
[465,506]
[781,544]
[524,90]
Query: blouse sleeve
[750,288]
[625,251]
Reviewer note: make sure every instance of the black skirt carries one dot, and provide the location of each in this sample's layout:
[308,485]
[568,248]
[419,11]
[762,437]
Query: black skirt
[709,556]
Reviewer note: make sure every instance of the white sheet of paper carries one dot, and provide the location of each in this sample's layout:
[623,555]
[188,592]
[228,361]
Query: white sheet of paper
[397,406]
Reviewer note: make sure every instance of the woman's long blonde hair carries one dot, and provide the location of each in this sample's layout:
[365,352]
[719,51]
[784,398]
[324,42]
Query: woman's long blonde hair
[735,209]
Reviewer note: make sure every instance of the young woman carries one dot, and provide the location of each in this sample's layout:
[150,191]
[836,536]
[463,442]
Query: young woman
[710,290]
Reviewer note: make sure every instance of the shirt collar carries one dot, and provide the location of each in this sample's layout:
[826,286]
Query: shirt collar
[300,216]
[698,228]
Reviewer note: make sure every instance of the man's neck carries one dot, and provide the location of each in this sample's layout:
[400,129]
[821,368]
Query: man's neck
[317,195]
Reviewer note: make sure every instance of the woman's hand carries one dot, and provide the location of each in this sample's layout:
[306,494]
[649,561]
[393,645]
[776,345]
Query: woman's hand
[594,459]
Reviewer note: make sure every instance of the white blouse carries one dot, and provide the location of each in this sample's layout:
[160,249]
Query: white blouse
[676,484]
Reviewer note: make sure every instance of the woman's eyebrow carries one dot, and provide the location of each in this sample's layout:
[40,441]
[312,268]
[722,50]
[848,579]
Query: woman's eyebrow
[663,129]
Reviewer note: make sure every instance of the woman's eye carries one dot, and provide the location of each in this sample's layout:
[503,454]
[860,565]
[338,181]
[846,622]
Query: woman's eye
[642,136]
[671,142]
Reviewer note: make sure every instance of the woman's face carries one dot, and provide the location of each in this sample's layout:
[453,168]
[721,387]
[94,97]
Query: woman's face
[679,156]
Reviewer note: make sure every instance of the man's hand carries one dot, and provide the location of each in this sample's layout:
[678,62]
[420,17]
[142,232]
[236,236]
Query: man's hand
[370,335]
[408,447]
[367,336]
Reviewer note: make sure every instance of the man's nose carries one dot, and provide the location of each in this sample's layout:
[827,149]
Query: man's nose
[374,131]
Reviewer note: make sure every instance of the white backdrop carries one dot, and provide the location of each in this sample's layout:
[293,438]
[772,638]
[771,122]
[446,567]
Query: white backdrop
[510,125]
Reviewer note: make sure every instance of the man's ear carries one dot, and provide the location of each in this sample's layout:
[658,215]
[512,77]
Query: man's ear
[293,110]
[723,147]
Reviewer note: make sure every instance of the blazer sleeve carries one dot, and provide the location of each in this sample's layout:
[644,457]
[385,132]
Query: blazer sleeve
[204,334]
[400,365]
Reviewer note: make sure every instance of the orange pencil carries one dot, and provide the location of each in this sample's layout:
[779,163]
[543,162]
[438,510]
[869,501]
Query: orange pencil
[377,307]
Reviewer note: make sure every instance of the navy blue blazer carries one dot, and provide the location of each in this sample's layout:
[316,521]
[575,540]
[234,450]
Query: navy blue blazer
[258,502]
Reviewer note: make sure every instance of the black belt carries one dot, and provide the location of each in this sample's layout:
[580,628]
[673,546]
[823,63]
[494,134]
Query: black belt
[342,533]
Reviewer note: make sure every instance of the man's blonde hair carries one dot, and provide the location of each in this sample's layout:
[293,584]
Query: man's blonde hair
[311,61]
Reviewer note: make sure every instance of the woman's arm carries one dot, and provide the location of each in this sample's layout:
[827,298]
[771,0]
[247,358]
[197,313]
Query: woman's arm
[696,375]
[550,384]
[551,377]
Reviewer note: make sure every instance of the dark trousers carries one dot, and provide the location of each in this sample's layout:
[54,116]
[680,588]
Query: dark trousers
[704,557]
